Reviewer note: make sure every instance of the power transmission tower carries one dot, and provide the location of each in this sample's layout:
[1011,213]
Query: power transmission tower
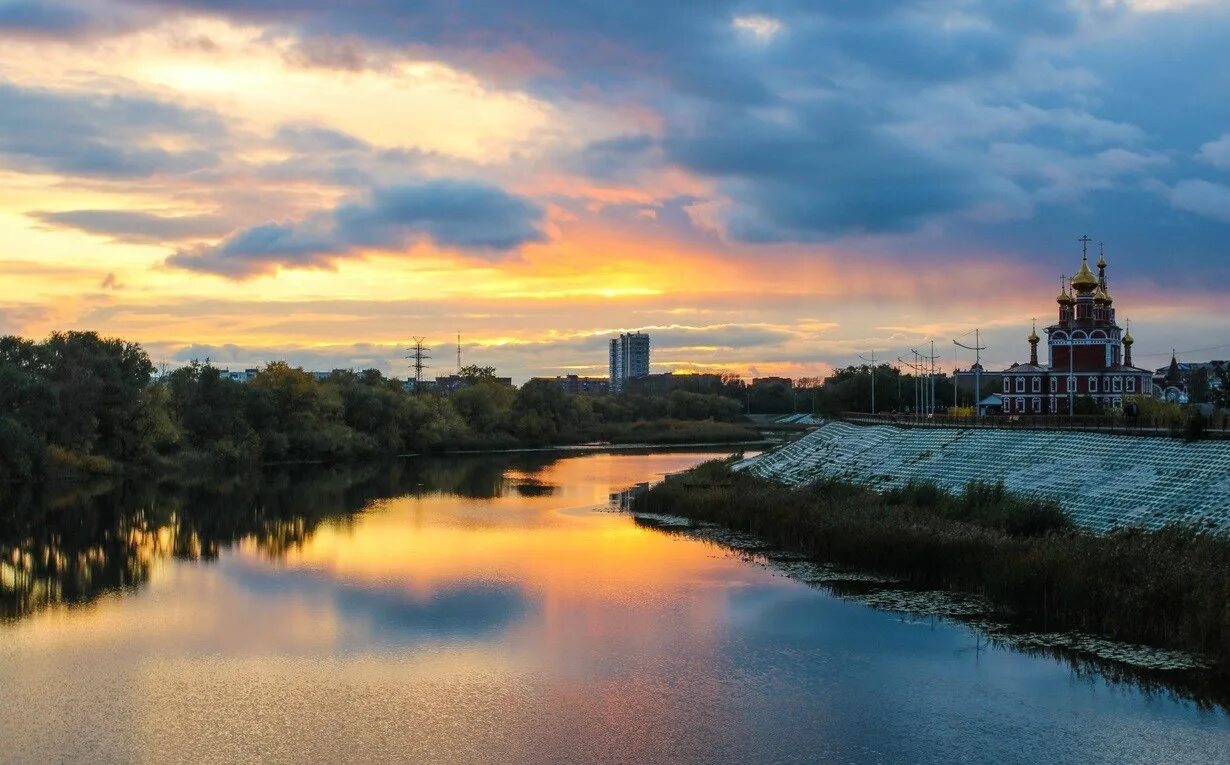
[418,354]
[458,353]
[977,348]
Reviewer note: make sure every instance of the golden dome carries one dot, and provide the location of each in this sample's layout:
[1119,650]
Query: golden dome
[1101,262]
[1084,281]
[1063,298]
[1100,296]
[1033,336]
[1127,338]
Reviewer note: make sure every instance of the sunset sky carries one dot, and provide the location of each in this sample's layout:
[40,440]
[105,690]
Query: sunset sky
[766,187]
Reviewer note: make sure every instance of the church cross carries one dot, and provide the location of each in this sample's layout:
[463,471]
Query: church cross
[1084,240]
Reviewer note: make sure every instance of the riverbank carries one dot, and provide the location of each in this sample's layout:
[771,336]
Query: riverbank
[1103,482]
[1168,588]
[64,464]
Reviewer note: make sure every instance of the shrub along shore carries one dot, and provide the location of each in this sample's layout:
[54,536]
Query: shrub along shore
[1168,588]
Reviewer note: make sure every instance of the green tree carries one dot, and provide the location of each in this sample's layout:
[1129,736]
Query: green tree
[485,406]
[97,383]
[474,373]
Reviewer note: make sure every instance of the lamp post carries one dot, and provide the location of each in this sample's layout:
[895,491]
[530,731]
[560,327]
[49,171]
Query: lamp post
[873,378]
[977,348]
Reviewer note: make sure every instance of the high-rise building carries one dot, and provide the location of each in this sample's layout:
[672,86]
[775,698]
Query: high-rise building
[629,358]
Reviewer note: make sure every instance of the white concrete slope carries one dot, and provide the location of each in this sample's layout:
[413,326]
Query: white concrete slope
[1103,481]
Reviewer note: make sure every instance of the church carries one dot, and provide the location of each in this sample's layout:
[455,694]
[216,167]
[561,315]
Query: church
[1088,353]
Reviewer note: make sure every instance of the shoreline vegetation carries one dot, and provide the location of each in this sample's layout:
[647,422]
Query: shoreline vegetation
[1167,589]
[78,404]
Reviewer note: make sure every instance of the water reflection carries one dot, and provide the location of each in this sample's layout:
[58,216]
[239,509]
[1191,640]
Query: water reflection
[67,545]
[496,610]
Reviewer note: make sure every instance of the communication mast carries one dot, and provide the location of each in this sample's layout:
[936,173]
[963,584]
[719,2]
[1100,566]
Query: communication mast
[458,353]
[418,354]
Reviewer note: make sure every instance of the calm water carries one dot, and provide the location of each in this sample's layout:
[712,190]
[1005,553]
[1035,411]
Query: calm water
[494,610]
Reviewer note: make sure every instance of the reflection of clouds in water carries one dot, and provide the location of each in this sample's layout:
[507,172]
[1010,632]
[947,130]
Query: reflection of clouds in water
[534,488]
[390,614]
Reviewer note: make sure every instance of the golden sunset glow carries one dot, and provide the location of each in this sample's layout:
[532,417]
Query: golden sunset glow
[199,200]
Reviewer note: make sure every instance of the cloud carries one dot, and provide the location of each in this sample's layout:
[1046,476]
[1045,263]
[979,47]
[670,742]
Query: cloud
[460,610]
[831,170]
[471,217]
[620,157]
[1211,200]
[32,15]
[317,138]
[788,122]
[115,136]
[333,157]
[721,336]
[137,226]
[83,18]
[808,132]
[1217,153]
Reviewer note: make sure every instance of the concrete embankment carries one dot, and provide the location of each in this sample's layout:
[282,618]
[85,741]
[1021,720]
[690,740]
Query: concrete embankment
[1103,481]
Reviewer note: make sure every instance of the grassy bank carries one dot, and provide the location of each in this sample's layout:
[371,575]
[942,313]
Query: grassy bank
[1169,588]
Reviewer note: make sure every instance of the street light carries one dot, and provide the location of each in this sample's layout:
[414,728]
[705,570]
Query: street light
[977,348]
[873,378]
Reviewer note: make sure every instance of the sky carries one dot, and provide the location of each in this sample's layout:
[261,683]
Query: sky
[767,188]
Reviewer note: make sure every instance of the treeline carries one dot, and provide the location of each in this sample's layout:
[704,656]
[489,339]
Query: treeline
[80,402]
[1167,588]
[849,390]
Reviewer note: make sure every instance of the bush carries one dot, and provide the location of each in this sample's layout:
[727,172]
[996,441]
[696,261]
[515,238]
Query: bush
[20,451]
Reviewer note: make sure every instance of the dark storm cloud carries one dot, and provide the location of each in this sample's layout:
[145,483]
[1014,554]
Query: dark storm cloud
[102,136]
[137,226]
[472,217]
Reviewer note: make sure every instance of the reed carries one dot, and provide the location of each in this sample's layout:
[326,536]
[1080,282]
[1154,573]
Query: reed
[1167,588]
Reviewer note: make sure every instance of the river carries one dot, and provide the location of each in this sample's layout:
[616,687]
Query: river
[496,609]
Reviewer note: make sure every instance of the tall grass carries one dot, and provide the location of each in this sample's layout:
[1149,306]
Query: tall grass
[1167,588]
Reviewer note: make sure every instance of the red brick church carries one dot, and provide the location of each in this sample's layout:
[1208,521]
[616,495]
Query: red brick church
[1089,354]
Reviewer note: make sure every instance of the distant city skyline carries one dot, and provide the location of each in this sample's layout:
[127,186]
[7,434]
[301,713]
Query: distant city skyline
[769,190]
